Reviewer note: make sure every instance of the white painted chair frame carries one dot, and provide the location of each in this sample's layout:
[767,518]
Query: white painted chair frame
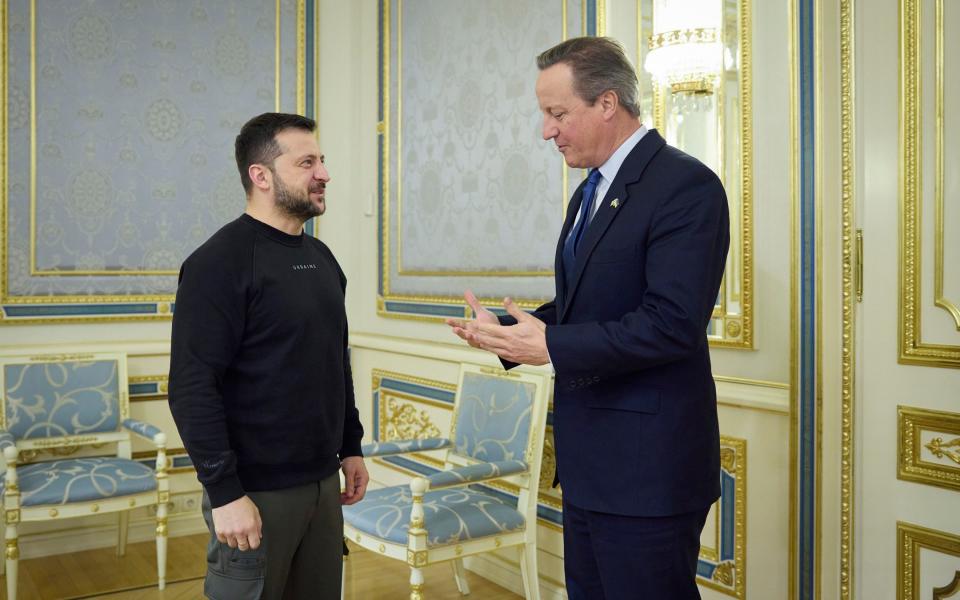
[416,552]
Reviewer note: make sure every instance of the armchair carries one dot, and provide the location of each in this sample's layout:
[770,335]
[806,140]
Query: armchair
[62,404]
[497,434]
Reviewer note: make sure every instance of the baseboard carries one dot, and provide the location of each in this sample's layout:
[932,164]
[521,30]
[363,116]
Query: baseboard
[507,575]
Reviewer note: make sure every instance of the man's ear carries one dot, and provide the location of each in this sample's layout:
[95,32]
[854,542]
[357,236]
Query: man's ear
[261,176]
[609,101]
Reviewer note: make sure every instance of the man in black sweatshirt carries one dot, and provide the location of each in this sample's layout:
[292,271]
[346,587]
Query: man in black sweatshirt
[260,382]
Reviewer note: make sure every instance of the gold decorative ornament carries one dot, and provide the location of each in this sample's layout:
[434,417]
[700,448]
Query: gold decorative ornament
[53,512]
[940,449]
[13,516]
[733,328]
[13,550]
[416,558]
[724,573]
[382,548]
[162,527]
[95,508]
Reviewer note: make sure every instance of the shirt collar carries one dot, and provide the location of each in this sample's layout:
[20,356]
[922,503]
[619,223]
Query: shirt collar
[610,168]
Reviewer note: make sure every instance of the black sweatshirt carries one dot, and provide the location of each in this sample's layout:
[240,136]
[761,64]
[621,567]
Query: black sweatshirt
[260,383]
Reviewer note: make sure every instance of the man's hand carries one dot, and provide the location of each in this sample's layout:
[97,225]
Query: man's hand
[355,479]
[524,343]
[238,524]
[483,315]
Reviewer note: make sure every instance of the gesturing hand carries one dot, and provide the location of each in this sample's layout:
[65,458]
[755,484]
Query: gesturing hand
[524,343]
[482,315]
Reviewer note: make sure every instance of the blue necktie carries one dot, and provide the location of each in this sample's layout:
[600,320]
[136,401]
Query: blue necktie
[576,234]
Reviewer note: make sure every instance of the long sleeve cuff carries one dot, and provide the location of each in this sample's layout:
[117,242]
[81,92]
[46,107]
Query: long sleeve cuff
[224,491]
[350,448]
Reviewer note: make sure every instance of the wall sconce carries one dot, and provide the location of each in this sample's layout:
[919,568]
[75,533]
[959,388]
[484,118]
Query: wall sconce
[686,48]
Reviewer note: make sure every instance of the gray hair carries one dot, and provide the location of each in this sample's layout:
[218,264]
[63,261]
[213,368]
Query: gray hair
[599,64]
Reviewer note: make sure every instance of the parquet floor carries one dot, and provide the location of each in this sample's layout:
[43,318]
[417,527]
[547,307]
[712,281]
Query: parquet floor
[100,574]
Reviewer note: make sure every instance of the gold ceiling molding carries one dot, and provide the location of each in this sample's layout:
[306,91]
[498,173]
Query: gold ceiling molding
[911,539]
[916,458]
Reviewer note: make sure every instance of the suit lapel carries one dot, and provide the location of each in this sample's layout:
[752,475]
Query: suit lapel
[629,173]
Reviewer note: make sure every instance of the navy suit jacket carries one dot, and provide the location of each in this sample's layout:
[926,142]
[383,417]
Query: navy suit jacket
[635,415]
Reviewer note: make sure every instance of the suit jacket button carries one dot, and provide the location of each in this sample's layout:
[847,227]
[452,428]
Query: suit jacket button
[596,378]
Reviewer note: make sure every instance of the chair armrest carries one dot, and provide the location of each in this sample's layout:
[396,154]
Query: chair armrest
[476,473]
[146,430]
[404,446]
[6,439]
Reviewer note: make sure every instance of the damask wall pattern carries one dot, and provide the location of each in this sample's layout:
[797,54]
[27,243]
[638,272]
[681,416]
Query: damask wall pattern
[120,121]
[471,193]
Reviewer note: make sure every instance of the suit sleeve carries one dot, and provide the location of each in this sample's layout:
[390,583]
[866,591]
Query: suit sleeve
[208,322]
[685,257]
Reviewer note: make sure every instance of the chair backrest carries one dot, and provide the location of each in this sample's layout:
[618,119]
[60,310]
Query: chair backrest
[58,395]
[494,414]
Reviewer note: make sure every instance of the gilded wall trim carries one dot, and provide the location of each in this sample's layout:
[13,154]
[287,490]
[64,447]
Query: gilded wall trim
[723,567]
[913,350]
[939,224]
[731,329]
[848,273]
[916,457]
[911,539]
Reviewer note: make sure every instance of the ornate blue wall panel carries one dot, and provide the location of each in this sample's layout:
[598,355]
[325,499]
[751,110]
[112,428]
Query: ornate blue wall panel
[471,196]
[118,158]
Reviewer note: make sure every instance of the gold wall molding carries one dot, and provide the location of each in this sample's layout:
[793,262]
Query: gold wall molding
[911,466]
[951,590]
[729,329]
[849,265]
[730,572]
[910,540]
[939,220]
[913,350]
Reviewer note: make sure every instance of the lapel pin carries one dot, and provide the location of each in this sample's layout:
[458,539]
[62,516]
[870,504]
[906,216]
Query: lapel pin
[615,203]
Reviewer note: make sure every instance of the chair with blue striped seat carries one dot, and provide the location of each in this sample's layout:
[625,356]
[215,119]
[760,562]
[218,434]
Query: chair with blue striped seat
[497,435]
[59,413]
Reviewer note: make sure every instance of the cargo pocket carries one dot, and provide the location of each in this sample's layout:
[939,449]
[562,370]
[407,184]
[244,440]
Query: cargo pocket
[233,574]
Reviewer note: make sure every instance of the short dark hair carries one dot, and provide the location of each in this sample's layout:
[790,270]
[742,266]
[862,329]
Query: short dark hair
[257,142]
[599,64]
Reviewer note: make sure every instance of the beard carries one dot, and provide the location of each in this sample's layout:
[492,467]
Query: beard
[293,202]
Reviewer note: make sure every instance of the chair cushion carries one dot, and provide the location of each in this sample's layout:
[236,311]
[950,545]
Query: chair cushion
[450,516]
[81,480]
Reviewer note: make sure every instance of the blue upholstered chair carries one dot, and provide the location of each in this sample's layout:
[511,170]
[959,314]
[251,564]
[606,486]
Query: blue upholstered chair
[497,436]
[53,407]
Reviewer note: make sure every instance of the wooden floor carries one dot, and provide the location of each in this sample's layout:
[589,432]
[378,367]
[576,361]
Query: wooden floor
[100,574]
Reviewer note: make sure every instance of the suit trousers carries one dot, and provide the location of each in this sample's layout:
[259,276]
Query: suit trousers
[617,557]
[300,555]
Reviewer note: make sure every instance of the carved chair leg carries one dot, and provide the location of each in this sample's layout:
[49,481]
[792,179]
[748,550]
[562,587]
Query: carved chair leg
[162,545]
[528,569]
[460,576]
[122,532]
[416,584]
[12,556]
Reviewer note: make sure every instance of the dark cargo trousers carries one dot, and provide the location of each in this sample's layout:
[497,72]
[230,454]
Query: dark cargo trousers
[300,555]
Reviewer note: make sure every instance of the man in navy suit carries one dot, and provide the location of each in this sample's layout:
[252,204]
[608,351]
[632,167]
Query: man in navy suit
[638,267]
